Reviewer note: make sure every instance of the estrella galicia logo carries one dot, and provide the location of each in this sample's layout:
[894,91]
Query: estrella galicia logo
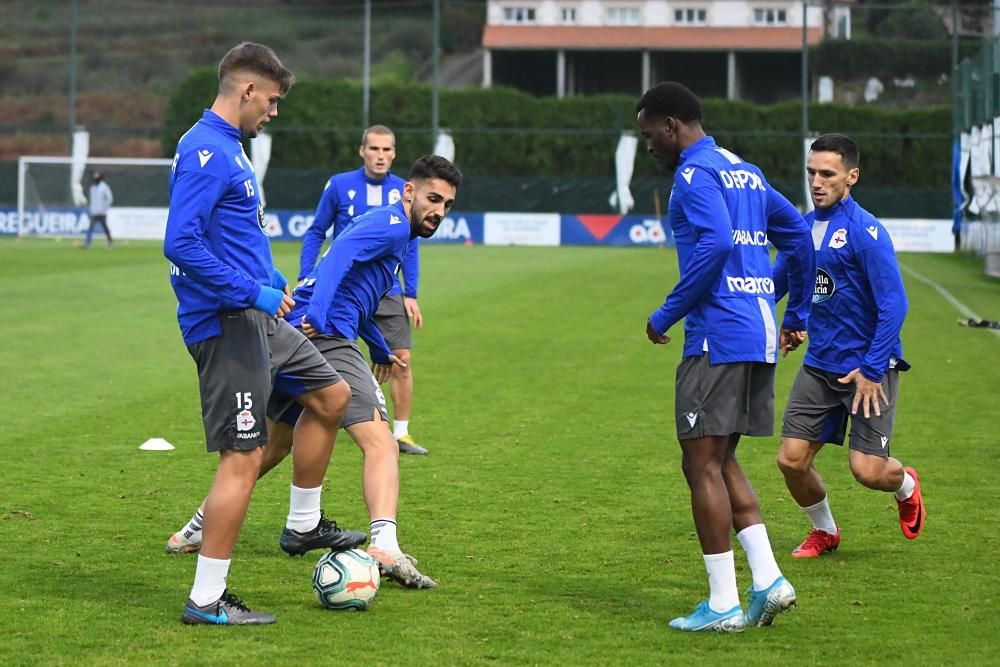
[825,287]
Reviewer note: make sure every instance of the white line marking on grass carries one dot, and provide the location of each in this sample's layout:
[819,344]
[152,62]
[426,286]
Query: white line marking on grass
[961,307]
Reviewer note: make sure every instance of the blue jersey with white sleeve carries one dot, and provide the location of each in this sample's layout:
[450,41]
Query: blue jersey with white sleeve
[215,240]
[859,302]
[722,213]
[340,296]
[346,196]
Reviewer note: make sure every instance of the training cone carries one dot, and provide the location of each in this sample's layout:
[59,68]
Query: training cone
[156,445]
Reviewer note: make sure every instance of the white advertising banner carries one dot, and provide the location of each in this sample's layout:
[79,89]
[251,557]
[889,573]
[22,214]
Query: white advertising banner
[916,235]
[521,229]
[137,223]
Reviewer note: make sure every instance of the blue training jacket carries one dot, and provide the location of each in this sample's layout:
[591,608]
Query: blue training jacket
[859,302]
[723,213]
[346,196]
[215,240]
[340,296]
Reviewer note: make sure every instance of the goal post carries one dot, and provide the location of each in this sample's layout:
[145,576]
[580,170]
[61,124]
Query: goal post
[49,201]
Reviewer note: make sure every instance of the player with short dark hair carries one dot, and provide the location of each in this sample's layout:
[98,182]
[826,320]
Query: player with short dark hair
[722,213]
[335,304]
[347,195]
[230,299]
[854,354]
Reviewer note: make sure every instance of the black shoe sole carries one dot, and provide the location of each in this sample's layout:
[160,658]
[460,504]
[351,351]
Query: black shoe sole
[344,540]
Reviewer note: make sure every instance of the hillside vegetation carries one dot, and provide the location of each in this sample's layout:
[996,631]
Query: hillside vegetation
[132,53]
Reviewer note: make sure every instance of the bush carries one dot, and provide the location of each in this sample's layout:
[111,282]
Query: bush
[500,132]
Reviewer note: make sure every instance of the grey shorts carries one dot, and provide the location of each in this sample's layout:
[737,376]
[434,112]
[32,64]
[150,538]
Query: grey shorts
[238,370]
[392,320]
[345,357]
[723,399]
[819,407]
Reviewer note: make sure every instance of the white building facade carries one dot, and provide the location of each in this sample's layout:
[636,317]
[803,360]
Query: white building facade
[727,48]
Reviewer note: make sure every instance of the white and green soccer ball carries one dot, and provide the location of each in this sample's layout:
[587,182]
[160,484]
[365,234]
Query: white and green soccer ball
[346,579]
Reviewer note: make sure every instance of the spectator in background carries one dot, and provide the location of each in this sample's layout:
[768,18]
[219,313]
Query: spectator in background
[100,202]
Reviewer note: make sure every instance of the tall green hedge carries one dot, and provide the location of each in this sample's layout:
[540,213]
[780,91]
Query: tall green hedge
[501,132]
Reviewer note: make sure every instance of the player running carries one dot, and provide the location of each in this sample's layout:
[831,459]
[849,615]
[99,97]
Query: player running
[854,354]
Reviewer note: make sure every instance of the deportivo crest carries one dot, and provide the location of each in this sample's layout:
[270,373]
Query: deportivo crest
[245,420]
[394,196]
[839,238]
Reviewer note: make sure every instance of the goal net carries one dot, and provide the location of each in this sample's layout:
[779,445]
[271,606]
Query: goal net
[52,195]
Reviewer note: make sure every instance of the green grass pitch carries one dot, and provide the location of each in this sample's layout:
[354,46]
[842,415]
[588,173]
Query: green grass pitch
[551,509]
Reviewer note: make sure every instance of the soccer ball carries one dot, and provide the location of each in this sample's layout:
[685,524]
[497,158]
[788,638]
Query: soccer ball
[346,579]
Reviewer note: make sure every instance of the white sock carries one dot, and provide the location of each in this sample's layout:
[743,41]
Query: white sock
[759,555]
[400,427]
[722,581]
[303,509]
[384,535]
[907,489]
[209,580]
[193,527]
[821,516]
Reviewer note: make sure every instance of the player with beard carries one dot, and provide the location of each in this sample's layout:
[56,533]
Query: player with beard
[854,355]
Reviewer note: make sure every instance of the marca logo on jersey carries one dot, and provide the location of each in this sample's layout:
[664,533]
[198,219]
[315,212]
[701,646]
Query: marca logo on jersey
[750,285]
[394,220]
[839,238]
[204,156]
[688,174]
[351,193]
[238,163]
[825,286]
[749,237]
[741,179]
[873,230]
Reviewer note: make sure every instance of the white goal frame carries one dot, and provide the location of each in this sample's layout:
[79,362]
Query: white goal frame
[25,160]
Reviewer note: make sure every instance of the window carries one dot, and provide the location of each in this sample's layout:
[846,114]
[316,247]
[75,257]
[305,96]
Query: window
[518,14]
[623,16]
[569,15]
[690,16]
[769,16]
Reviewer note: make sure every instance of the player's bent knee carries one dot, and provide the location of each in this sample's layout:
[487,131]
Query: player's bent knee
[404,356]
[327,404]
[868,470]
[793,459]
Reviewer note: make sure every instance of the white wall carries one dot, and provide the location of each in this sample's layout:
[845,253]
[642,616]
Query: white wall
[655,13]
